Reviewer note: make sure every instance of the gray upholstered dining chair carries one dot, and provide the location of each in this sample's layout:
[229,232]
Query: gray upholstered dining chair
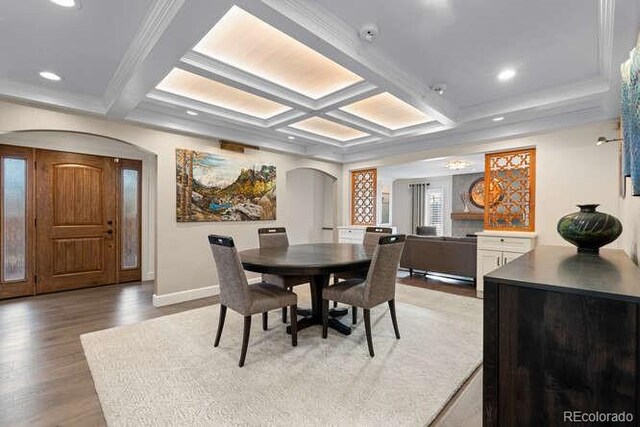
[276,237]
[378,287]
[238,295]
[371,237]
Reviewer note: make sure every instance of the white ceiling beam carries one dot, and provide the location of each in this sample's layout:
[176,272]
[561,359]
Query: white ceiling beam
[160,116]
[170,29]
[308,22]
[229,75]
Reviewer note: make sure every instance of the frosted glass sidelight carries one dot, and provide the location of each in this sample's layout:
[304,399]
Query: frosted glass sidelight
[14,219]
[130,219]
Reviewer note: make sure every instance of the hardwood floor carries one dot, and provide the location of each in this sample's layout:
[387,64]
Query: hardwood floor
[44,376]
[435,283]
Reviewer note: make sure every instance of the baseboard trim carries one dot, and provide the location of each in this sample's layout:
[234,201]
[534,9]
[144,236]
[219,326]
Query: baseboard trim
[191,294]
[182,296]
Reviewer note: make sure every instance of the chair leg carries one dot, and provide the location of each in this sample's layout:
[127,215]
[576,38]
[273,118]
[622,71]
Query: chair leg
[245,340]
[284,314]
[223,314]
[354,314]
[335,281]
[294,325]
[411,272]
[367,328]
[265,320]
[392,309]
[325,318]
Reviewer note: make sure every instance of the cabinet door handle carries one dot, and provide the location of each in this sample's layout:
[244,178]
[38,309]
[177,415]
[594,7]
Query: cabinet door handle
[498,261]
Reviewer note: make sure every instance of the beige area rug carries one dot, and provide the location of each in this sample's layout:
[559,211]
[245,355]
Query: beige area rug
[166,371]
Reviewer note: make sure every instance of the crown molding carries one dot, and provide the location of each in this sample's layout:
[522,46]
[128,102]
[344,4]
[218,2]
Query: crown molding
[49,96]
[606,22]
[461,136]
[153,26]
[157,116]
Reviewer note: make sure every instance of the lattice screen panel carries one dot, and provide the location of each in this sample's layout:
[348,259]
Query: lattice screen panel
[510,190]
[363,196]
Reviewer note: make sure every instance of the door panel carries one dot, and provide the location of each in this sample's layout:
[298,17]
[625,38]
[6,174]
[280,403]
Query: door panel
[76,220]
[489,261]
[510,256]
[17,256]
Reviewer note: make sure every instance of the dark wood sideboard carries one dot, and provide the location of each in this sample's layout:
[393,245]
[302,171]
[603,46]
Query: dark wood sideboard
[561,334]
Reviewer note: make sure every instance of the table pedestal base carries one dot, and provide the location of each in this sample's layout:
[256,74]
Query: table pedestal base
[318,283]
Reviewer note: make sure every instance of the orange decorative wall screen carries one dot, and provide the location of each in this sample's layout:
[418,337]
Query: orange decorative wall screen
[364,184]
[510,188]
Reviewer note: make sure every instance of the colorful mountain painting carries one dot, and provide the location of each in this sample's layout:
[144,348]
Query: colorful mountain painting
[215,188]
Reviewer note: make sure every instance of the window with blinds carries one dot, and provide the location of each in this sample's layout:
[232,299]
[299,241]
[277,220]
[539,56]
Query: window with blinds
[434,209]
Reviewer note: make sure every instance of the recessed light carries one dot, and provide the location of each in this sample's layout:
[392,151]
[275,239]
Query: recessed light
[50,76]
[291,137]
[498,119]
[192,113]
[65,3]
[506,74]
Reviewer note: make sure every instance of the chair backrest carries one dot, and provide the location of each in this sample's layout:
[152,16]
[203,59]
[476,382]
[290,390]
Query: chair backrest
[382,275]
[372,236]
[234,288]
[273,237]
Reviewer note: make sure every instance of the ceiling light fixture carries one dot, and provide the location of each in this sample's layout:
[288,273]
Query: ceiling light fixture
[192,113]
[291,137]
[506,74]
[50,76]
[66,3]
[455,165]
[498,119]
[603,140]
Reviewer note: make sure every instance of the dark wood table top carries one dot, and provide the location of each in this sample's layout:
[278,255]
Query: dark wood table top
[307,259]
[611,274]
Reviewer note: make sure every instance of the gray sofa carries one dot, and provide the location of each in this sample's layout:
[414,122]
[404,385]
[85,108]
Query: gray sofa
[447,255]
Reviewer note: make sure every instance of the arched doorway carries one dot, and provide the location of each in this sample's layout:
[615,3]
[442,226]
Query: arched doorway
[312,209]
[127,174]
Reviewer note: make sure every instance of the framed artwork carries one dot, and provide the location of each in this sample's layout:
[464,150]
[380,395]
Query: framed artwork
[216,188]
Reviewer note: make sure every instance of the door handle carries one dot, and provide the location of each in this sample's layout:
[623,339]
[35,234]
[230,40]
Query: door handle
[109,231]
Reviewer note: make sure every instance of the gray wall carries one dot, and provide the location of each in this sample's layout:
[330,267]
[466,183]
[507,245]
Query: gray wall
[462,183]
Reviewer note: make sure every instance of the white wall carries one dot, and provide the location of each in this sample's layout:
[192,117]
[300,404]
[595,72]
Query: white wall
[630,217]
[183,261]
[311,208]
[571,169]
[401,202]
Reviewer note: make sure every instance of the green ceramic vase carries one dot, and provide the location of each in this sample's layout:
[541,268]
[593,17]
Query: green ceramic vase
[588,229]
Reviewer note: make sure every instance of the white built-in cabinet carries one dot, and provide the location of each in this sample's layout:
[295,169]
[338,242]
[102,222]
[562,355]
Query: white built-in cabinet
[497,248]
[355,233]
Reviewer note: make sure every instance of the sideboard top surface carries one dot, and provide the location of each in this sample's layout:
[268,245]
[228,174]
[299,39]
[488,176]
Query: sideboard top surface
[611,274]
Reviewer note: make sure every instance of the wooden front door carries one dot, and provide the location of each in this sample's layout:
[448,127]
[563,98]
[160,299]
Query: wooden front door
[75,220]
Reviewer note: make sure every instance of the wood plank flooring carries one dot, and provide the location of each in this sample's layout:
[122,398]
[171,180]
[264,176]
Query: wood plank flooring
[45,379]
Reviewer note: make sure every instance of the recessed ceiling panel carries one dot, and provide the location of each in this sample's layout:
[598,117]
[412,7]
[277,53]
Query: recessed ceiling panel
[245,42]
[386,110]
[193,86]
[328,129]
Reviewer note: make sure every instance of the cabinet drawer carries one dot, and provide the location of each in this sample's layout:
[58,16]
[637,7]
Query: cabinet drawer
[508,244]
[351,234]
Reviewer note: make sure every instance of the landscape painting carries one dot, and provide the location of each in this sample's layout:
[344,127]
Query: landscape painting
[216,188]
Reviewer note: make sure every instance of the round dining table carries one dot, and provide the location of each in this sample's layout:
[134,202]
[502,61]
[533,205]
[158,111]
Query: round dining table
[316,260]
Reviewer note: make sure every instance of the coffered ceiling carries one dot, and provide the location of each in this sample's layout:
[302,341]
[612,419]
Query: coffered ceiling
[295,76]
